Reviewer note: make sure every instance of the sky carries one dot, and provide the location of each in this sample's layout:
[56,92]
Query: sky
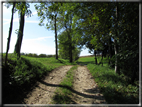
[37,39]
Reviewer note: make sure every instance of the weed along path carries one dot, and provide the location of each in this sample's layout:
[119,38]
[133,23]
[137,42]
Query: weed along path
[44,90]
[86,90]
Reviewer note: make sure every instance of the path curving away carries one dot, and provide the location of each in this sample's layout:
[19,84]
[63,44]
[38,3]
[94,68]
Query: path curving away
[45,89]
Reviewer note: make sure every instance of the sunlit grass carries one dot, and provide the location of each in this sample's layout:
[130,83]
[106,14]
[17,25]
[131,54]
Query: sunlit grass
[88,60]
[115,88]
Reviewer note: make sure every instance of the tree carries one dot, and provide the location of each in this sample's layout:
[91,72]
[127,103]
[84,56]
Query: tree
[109,27]
[23,9]
[66,18]
[50,12]
[117,70]
[10,31]
[128,40]
[64,47]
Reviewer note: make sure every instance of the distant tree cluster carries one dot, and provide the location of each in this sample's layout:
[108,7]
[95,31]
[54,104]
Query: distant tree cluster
[35,55]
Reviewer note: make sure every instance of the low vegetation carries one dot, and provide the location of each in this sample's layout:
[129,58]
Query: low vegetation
[115,88]
[21,75]
[62,94]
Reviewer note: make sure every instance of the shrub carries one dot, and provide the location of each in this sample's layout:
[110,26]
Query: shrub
[42,55]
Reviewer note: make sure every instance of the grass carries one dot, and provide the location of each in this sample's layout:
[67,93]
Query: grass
[62,94]
[21,75]
[88,60]
[115,88]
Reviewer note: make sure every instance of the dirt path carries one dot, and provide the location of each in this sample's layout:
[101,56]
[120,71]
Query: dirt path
[86,90]
[44,91]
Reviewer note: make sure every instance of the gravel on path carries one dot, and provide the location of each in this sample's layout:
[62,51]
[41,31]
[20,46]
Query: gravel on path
[44,91]
[87,91]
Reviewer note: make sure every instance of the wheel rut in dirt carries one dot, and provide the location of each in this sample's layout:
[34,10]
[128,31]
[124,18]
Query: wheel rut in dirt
[45,89]
[87,91]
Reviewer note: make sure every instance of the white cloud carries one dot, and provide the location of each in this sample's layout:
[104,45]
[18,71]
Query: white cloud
[17,20]
[12,42]
[28,21]
[29,45]
[34,13]
[8,21]
[6,10]
[36,39]
[37,48]
[32,46]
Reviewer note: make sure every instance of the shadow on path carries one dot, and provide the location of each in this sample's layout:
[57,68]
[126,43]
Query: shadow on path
[72,90]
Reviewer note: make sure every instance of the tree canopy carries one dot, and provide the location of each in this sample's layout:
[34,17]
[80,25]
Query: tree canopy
[111,27]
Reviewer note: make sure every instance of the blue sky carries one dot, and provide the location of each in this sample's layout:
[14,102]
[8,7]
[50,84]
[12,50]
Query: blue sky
[37,39]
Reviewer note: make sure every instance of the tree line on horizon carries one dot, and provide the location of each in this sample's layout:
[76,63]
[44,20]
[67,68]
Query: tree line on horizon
[111,27]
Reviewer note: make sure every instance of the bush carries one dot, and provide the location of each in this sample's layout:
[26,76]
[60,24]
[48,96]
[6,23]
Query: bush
[35,55]
[42,55]
[51,56]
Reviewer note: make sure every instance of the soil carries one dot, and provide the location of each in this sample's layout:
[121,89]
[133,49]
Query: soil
[85,90]
[44,90]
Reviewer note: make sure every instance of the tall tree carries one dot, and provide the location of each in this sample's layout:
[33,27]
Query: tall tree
[66,19]
[23,9]
[64,47]
[20,32]
[50,12]
[115,41]
[10,31]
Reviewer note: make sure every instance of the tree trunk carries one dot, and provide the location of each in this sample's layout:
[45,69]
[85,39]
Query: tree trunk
[134,71]
[20,35]
[9,36]
[70,44]
[95,57]
[102,57]
[110,52]
[70,48]
[56,44]
[70,39]
[115,43]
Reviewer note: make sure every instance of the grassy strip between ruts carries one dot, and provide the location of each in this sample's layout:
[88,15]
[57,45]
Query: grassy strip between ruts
[62,94]
[115,88]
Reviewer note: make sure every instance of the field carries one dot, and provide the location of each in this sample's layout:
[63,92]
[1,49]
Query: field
[20,77]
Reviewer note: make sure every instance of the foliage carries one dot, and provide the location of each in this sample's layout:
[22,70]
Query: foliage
[42,55]
[64,48]
[122,92]
[50,12]
[110,82]
[37,56]
[112,25]
[23,9]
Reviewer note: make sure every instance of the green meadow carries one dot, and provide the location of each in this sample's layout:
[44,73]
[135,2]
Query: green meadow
[21,75]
